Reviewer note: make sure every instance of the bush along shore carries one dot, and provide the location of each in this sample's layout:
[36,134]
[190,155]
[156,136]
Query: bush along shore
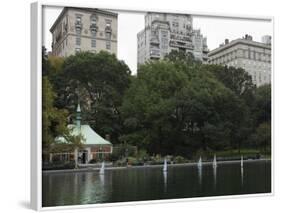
[144,159]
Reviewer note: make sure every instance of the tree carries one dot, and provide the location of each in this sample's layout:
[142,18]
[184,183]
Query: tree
[262,108]
[54,120]
[262,137]
[182,56]
[236,79]
[261,132]
[176,107]
[98,82]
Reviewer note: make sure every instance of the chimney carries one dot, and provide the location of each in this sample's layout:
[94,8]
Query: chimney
[226,41]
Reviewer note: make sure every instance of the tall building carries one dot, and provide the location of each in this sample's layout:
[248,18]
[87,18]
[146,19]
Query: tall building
[253,56]
[84,29]
[165,32]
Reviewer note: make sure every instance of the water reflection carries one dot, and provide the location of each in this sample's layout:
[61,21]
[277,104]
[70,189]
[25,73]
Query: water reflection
[152,183]
[200,175]
[215,176]
[102,179]
[165,181]
[242,175]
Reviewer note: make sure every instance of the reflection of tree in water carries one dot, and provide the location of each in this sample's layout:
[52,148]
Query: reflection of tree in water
[138,184]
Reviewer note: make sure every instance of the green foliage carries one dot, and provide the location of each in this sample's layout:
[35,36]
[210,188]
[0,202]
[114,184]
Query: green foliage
[175,106]
[179,159]
[263,104]
[123,150]
[54,120]
[262,137]
[98,82]
[58,165]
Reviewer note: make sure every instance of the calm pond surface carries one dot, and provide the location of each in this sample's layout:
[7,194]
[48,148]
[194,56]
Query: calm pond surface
[139,184]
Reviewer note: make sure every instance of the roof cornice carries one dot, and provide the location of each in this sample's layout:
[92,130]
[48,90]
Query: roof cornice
[93,10]
[239,41]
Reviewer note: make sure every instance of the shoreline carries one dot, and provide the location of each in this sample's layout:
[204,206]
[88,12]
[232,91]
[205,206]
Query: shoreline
[89,169]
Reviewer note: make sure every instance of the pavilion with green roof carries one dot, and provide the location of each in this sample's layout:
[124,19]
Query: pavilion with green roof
[94,146]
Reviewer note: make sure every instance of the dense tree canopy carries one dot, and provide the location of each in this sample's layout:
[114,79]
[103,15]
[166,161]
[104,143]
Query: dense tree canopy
[98,82]
[175,106]
[179,108]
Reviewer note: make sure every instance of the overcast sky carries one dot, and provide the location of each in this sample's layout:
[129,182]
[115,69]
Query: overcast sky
[216,29]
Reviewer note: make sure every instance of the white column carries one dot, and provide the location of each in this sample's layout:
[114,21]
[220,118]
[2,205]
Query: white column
[89,154]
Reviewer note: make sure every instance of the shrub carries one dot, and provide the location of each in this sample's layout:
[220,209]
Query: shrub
[58,166]
[179,159]
[93,161]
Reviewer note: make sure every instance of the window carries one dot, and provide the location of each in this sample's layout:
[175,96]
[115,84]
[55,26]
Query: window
[94,34]
[107,36]
[93,42]
[78,19]
[245,54]
[78,31]
[108,23]
[175,24]
[94,20]
[108,45]
[78,40]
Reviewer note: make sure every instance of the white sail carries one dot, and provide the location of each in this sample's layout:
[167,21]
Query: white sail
[242,161]
[165,166]
[215,161]
[200,162]
[102,168]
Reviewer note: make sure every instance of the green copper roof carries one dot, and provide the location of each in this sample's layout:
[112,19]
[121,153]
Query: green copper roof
[90,136]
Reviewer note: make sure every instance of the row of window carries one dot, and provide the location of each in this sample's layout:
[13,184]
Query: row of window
[256,55]
[245,54]
[93,20]
[261,79]
[93,43]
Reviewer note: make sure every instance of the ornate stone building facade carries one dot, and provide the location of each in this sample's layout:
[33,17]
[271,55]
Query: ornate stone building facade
[253,56]
[84,29]
[165,32]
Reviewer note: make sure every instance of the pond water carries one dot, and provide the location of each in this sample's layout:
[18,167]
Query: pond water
[140,184]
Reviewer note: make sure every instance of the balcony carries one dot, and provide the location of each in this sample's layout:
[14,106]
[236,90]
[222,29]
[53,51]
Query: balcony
[78,25]
[108,29]
[154,41]
[154,53]
[181,44]
[93,27]
[180,38]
